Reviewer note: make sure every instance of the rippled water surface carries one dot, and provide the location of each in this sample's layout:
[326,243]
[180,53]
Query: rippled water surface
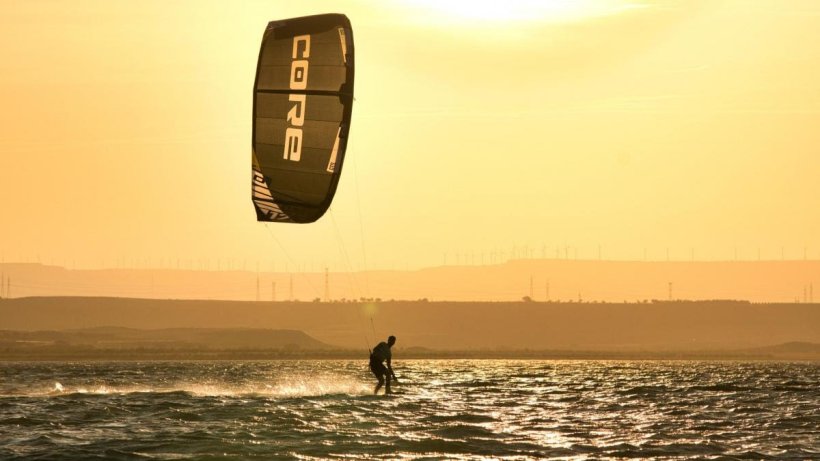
[466,409]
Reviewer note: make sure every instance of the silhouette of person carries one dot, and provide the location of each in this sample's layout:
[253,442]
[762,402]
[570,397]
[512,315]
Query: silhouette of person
[381,353]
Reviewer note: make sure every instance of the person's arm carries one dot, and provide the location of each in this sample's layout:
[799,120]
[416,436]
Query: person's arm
[390,368]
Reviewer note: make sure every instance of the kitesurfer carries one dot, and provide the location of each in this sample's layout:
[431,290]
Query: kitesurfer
[381,353]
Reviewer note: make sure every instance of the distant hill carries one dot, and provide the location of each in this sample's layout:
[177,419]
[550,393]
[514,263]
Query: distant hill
[440,326]
[792,348]
[115,343]
[169,338]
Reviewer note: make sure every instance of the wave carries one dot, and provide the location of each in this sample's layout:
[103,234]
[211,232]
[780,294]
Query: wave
[283,387]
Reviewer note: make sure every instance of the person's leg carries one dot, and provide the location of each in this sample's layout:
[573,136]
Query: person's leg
[380,383]
[387,386]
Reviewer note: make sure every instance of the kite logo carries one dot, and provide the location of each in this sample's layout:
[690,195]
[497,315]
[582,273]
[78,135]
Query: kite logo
[298,81]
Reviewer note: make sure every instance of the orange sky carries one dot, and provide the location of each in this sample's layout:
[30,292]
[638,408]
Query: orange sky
[633,125]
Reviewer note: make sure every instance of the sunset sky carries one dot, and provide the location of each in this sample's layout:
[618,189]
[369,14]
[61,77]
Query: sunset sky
[636,126]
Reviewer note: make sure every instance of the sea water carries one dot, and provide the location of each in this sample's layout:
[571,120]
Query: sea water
[458,409]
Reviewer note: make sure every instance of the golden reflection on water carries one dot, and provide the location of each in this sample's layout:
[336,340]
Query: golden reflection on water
[462,409]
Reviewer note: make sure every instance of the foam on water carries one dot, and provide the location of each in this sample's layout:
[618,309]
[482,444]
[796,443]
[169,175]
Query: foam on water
[288,386]
[325,384]
[58,389]
[284,386]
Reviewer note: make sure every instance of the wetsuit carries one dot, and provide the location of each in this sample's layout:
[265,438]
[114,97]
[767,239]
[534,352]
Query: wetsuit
[380,354]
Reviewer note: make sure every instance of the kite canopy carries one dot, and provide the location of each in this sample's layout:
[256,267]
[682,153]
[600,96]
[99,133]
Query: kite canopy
[302,102]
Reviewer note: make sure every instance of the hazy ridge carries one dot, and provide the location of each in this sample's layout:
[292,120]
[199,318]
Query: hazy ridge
[423,328]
